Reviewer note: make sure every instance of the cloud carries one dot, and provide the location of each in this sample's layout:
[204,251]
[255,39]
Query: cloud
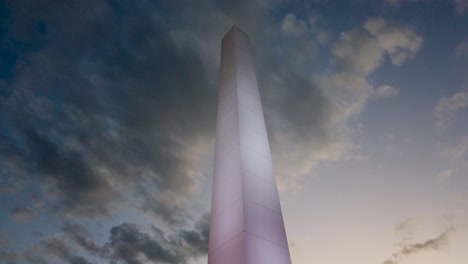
[98,115]
[80,235]
[34,259]
[66,247]
[324,37]
[456,152]
[445,174]
[434,244]
[3,243]
[362,51]
[53,249]
[37,200]
[431,244]
[386,91]
[309,111]
[55,246]
[447,108]
[21,213]
[400,42]
[291,26]
[461,6]
[406,226]
[9,257]
[316,128]
[358,52]
[130,245]
[127,243]
[37,234]
[165,205]
[461,51]
[122,107]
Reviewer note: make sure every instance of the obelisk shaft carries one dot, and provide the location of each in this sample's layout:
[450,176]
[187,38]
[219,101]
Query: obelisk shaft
[246,225]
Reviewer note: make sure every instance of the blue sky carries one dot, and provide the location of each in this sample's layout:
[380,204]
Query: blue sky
[107,124]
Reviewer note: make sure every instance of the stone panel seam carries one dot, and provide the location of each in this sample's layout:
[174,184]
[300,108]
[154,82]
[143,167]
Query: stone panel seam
[222,183]
[227,153]
[269,209]
[261,178]
[248,148]
[229,206]
[225,133]
[247,232]
[226,114]
[272,182]
[258,133]
[222,245]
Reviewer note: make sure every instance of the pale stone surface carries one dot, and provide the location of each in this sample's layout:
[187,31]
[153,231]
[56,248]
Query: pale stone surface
[246,221]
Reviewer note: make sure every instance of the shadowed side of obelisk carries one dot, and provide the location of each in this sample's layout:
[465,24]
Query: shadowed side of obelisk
[246,224]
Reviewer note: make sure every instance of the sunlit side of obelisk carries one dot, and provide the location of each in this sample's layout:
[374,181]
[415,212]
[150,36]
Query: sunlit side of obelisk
[246,225]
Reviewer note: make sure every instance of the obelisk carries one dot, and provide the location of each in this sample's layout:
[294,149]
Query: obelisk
[246,225]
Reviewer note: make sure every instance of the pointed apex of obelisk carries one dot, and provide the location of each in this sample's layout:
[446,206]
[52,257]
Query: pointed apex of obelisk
[235,27]
[234,30]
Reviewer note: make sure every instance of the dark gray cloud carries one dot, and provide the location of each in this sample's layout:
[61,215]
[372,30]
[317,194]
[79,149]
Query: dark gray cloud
[34,259]
[9,257]
[127,243]
[2,239]
[53,249]
[80,235]
[102,105]
[107,99]
[21,213]
[57,247]
[37,234]
[432,244]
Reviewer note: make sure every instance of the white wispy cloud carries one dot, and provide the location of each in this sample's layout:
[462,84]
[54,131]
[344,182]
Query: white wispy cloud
[457,151]
[445,174]
[358,52]
[447,108]
[386,91]
[400,42]
[292,26]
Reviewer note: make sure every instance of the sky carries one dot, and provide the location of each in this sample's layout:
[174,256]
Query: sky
[107,125]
